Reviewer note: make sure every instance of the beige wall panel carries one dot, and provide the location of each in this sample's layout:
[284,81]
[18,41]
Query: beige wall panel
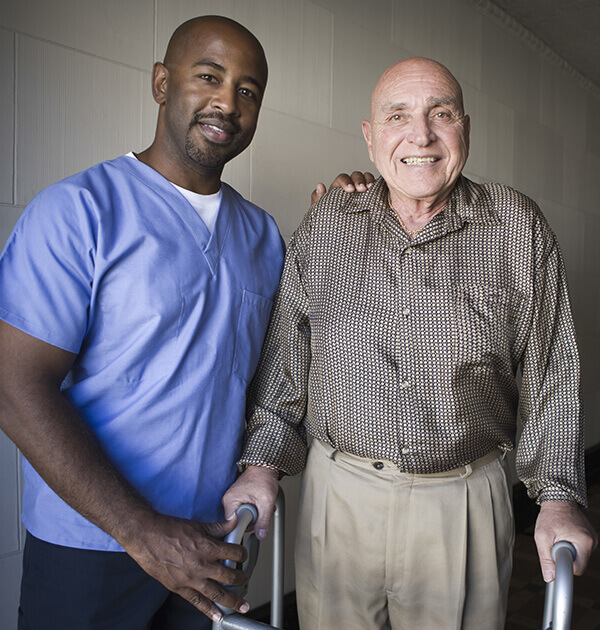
[9,498]
[10,585]
[74,111]
[238,172]
[8,217]
[562,104]
[538,160]
[7,116]
[360,56]
[510,71]
[568,223]
[449,31]
[476,106]
[585,293]
[375,16]
[113,29]
[592,407]
[501,142]
[591,192]
[592,248]
[290,156]
[593,128]
[573,173]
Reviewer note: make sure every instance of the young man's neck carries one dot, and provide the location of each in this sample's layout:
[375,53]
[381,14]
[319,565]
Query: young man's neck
[195,178]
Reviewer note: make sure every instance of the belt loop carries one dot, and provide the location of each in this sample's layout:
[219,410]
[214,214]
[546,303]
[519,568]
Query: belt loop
[468,471]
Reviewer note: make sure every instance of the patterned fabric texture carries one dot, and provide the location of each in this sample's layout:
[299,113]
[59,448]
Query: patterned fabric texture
[410,350]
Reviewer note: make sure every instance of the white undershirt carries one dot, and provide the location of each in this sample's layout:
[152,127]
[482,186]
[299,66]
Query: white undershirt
[207,206]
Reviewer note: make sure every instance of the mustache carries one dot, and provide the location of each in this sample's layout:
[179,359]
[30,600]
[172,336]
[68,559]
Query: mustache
[230,125]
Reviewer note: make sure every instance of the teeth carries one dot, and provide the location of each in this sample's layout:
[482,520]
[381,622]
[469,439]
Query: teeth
[214,127]
[418,160]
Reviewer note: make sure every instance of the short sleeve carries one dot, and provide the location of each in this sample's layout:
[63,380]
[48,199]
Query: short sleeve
[46,268]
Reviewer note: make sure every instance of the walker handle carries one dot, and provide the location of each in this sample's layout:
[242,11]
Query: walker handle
[247,515]
[559,593]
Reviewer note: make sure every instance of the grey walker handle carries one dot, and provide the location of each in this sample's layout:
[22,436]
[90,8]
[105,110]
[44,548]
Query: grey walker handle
[559,593]
[247,515]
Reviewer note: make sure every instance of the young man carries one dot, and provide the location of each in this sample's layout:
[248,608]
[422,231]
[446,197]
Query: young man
[134,298]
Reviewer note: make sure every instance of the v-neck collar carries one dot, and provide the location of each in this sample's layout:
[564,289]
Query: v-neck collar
[209,244]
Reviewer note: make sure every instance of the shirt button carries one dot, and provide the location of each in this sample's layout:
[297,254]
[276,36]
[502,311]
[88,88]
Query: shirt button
[378,465]
[405,451]
[404,384]
[405,311]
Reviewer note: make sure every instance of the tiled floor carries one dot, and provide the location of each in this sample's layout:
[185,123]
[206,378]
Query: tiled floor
[527,589]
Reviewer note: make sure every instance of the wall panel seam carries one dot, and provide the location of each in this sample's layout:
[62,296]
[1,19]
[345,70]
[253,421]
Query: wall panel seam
[14,121]
[77,50]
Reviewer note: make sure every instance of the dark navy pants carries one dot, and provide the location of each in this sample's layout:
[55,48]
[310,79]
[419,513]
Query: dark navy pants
[77,589]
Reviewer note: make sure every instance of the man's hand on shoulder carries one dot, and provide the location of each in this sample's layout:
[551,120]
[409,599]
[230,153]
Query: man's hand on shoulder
[257,485]
[357,182]
[562,520]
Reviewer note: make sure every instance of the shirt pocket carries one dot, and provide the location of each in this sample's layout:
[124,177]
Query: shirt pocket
[485,326]
[252,325]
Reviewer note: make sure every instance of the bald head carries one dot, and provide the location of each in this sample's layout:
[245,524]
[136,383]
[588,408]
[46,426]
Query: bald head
[415,69]
[190,33]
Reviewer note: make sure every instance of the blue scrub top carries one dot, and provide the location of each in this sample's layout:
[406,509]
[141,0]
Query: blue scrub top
[167,322]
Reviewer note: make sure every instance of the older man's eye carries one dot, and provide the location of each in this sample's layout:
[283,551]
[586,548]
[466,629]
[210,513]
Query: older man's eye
[444,117]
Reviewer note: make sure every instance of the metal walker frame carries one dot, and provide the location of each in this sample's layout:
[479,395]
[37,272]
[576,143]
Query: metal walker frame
[559,593]
[247,515]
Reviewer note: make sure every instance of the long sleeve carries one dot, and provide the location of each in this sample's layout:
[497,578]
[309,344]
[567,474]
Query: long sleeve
[277,400]
[550,456]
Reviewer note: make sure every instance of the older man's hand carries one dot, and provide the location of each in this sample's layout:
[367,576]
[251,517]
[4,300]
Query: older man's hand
[256,485]
[561,520]
[357,182]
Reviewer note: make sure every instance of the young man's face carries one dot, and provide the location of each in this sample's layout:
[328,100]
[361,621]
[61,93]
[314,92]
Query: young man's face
[213,95]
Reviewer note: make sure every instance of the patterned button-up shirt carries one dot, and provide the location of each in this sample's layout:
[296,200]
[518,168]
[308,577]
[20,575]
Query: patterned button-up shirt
[410,350]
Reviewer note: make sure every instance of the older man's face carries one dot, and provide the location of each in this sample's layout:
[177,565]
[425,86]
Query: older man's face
[418,136]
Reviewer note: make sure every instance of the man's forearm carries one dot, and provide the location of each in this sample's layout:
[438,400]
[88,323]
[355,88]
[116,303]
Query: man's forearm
[58,444]
[184,555]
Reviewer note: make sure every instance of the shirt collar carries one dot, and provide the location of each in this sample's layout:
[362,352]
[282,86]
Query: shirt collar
[468,203]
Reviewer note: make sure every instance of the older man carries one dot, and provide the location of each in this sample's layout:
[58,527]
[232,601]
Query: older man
[134,298]
[403,316]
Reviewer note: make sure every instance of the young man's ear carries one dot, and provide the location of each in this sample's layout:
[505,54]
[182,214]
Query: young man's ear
[160,76]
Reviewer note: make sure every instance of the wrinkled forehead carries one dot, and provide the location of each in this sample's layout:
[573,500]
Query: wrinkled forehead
[422,83]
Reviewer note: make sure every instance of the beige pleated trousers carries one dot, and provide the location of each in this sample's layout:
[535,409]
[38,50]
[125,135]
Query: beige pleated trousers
[377,548]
